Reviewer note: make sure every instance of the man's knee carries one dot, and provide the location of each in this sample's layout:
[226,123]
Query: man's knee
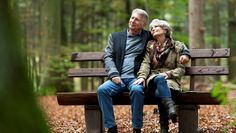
[101,89]
[136,89]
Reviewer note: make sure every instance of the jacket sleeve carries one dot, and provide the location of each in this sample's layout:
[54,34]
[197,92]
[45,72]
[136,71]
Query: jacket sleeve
[109,59]
[185,51]
[179,71]
[145,66]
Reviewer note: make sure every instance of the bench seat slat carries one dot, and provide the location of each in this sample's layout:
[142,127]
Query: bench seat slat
[195,53]
[194,70]
[90,98]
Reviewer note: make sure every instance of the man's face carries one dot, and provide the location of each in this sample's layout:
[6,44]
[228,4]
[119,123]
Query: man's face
[136,22]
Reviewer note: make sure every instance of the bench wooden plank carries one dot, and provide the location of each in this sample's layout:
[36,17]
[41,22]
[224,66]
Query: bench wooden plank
[87,56]
[210,53]
[194,70]
[207,70]
[90,98]
[87,72]
[195,53]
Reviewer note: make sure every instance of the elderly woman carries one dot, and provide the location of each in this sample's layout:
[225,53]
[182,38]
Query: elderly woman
[162,70]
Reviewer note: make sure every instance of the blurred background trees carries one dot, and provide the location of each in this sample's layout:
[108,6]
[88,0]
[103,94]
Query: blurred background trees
[37,38]
[19,112]
[54,29]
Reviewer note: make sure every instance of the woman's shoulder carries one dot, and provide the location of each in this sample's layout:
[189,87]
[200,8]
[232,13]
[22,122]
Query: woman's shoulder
[178,45]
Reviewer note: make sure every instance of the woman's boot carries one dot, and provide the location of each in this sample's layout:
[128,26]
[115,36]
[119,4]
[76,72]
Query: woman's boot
[136,130]
[113,130]
[169,105]
[164,118]
[164,126]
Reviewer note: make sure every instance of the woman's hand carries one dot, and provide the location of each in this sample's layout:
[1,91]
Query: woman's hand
[164,75]
[139,81]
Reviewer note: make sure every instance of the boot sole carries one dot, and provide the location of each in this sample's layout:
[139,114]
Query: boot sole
[173,118]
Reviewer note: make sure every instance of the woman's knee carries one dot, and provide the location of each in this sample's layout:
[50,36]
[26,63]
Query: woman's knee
[159,79]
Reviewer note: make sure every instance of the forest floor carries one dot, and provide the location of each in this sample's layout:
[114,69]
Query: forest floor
[70,119]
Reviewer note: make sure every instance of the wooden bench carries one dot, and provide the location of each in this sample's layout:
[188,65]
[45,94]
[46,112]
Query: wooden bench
[188,101]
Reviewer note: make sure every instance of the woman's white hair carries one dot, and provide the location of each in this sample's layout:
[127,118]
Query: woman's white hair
[161,23]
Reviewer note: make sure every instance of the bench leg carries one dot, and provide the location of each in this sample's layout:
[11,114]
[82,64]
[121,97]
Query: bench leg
[188,118]
[93,119]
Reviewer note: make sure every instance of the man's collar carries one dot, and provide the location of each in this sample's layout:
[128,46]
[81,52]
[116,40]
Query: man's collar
[128,35]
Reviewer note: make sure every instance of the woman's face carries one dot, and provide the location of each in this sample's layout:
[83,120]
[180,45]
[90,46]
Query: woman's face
[157,31]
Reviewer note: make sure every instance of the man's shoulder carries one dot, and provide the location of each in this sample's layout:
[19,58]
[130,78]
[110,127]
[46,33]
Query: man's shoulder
[124,31]
[119,32]
[146,31]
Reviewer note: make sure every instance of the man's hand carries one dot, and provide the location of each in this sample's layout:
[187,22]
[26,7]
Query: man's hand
[139,81]
[116,80]
[184,59]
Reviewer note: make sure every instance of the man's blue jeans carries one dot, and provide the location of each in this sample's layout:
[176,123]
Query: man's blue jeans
[109,89]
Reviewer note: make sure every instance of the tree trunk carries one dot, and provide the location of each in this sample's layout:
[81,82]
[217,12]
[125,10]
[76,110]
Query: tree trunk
[232,38]
[73,19]
[30,18]
[50,36]
[196,31]
[196,26]
[127,8]
[216,29]
[63,23]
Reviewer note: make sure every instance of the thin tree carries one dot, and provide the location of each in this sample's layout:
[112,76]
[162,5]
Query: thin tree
[232,38]
[216,28]
[196,30]
[50,37]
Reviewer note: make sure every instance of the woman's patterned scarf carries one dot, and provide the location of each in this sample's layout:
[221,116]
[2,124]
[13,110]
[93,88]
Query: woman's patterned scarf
[159,53]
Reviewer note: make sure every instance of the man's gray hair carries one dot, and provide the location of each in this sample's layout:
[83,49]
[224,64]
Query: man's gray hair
[142,13]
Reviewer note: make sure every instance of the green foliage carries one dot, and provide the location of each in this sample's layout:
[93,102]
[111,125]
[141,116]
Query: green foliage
[208,20]
[19,112]
[232,109]
[220,92]
[175,12]
[58,69]
[181,37]
[57,80]
[50,90]
[232,106]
